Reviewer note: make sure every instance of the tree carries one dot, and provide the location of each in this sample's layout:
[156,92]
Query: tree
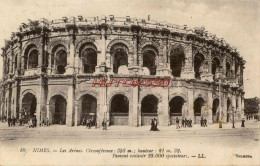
[252,105]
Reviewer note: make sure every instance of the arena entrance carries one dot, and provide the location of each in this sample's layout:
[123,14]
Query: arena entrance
[176,105]
[58,107]
[149,107]
[119,110]
[215,111]
[87,109]
[28,107]
[198,103]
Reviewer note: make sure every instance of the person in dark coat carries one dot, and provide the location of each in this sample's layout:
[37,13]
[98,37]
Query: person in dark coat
[13,121]
[201,122]
[20,122]
[47,122]
[190,122]
[243,123]
[182,122]
[155,125]
[152,125]
[9,121]
[177,123]
[205,122]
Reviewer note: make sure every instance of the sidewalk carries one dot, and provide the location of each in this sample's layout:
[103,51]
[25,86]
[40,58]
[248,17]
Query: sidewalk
[252,124]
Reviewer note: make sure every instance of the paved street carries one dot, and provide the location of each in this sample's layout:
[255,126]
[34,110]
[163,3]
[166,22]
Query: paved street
[210,140]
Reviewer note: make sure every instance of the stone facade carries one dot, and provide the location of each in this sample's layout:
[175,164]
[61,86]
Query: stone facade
[49,68]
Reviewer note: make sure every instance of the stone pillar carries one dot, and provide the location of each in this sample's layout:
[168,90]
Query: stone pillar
[76,107]
[70,102]
[190,112]
[4,65]
[224,108]
[224,65]
[8,103]
[135,106]
[41,55]
[166,67]
[101,64]
[11,61]
[209,107]
[188,71]
[41,111]
[71,56]
[240,107]
[135,69]
[234,104]
[165,108]
[14,99]
[160,112]
[78,64]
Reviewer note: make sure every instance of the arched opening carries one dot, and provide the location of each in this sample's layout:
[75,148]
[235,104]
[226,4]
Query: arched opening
[215,110]
[215,68]
[149,108]
[229,110]
[198,65]
[120,56]
[198,104]
[228,71]
[58,108]
[33,59]
[61,61]
[88,55]
[29,104]
[119,110]
[177,60]
[87,109]
[176,105]
[149,57]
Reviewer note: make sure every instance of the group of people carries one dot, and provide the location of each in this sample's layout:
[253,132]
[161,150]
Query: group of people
[88,122]
[45,122]
[11,121]
[32,122]
[184,123]
[154,124]
[203,122]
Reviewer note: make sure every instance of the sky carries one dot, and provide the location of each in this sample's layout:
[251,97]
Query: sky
[238,22]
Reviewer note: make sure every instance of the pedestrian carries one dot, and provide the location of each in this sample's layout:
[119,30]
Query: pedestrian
[87,123]
[104,125]
[43,123]
[14,119]
[9,121]
[90,123]
[190,122]
[205,122]
[201,122]
[20,122]
[47,122]
[243,123]
[155,124]
[182,122]
[152,125]
[177,123]
[83,121]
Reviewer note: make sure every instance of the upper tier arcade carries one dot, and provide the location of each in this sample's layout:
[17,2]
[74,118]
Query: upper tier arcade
[119,46]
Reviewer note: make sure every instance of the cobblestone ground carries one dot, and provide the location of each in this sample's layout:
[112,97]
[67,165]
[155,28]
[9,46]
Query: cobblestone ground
[223,146]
